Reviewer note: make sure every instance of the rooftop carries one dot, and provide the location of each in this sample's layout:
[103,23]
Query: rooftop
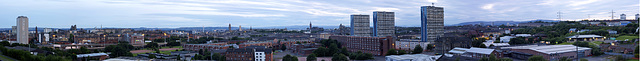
[480,50]
[495,44]
[549,49]
[415,57]
[584,36]
[91,55]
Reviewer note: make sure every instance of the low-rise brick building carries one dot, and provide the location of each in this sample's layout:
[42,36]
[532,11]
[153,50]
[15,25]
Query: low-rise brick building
[250,53]
[366,44]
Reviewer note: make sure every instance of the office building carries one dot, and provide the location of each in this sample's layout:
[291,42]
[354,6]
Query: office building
[432,22]
[383,23]
[367,44]
[623,17]
[360,25]
[14,29]
[23,29]
[450,41]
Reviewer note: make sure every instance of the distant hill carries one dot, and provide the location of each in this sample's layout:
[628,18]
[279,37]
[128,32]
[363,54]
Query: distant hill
[501,22]
[298,27]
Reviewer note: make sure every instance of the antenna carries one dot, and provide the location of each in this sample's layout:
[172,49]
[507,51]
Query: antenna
[612,14]
[560,15]
[589,16]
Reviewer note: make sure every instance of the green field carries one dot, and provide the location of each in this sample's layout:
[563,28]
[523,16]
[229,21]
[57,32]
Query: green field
[622,38]
[5,58]
[566,43]
[162,52]
[592,43]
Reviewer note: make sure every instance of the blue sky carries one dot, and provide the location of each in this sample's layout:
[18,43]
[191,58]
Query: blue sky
[265,13]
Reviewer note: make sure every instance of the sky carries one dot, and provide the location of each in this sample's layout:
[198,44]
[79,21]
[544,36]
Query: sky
[268,13]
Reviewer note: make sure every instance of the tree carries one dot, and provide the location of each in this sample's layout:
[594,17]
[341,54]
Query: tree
[596,51]
[484,59]
[122,49]
[430,46]
[5,43]
[321,52]
[620,58]
[564,59]
[493,58]
[536,58]
[505,59]
[283,47]
[392,52]
[71,38]
[401,52]
[581,44]
[84,50]
[179,58]
[289,58]
[344,50]
[152,56]
[417,49]
[339,57]
[582,59]
[218,57]
[333,48]
[603,23]
[311,57]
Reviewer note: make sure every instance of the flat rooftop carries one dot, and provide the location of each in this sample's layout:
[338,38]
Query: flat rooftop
[549,49]
[415,57]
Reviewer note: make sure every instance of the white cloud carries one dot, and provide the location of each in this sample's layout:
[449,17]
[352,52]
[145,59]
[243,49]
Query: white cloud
[582,2]
[487,6]
[384,9]
[432,0]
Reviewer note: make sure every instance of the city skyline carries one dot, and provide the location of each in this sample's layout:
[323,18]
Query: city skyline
[172,14]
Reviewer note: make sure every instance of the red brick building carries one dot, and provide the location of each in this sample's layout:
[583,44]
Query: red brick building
[208,47]
[250,53]
[367,44]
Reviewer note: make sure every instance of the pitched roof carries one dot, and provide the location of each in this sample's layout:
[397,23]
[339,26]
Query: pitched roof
[480,50]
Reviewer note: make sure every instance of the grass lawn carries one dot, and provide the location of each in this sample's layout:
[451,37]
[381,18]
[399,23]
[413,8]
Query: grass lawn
[622,38]
[566,43]
[136,54]
[597,42]
[6,58]
[162,52]
[632,60]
